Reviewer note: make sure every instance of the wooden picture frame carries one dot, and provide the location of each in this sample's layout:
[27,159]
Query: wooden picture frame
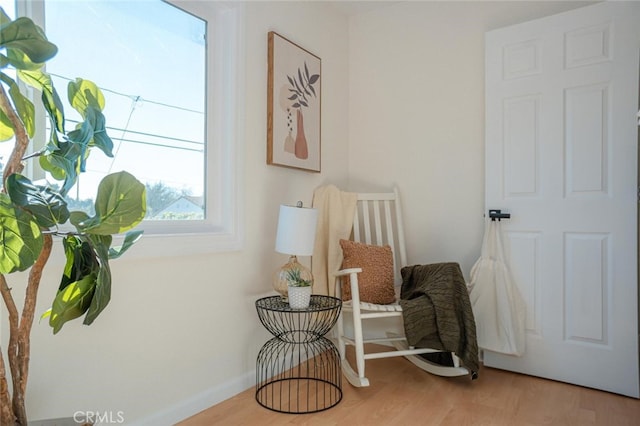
[293,110]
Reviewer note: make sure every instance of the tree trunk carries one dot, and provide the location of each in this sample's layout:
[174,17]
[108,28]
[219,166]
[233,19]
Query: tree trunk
[12,350]
[19,349]
[14,165]
[6,412]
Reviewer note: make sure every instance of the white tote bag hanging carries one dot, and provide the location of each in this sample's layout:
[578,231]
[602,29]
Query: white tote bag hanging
[498,307]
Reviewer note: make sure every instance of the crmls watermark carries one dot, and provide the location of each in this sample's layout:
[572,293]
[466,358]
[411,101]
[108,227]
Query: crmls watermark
[99,417]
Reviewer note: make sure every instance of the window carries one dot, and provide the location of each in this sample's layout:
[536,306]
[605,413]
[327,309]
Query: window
[149,58]
[171,118]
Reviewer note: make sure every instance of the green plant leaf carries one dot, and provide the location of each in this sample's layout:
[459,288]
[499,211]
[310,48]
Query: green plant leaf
[46,205]
[20,61]
[20,238]
[102,295]
[50,99]
[24,35]
[130,239]
[6,128]
[24,107]
[64,163]
[84,94]
[120,205]
[72,302]
[78,284]
[48,165]
[80,137]
[81,260]
[294,278]
[100,138]
[71,245]
[4,18]
[77,217]
[82,134]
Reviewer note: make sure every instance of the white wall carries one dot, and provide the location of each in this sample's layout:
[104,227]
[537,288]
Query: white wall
[402,96]
[181,331]
[416,115]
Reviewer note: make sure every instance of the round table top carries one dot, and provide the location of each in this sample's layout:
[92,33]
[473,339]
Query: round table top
[317,303]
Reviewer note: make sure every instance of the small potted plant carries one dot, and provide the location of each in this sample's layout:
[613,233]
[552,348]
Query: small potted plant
[299,289]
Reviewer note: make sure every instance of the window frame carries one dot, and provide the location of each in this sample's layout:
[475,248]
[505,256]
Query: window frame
[222,228]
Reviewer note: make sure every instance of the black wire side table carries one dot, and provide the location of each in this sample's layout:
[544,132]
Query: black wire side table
[298,370]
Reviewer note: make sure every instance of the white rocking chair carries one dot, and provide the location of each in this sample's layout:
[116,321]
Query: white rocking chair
[378,220]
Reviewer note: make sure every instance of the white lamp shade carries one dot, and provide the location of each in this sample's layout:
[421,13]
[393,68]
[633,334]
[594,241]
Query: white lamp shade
[296,230]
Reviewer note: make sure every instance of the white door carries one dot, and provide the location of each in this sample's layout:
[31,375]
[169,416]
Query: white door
[561,146]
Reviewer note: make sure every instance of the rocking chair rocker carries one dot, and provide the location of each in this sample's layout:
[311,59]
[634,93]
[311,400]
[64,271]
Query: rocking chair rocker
[378,221]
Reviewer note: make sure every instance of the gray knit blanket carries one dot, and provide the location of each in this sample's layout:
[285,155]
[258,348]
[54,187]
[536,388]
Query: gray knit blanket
[437,311]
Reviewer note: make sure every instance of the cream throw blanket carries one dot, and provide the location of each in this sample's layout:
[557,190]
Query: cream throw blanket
[335,220]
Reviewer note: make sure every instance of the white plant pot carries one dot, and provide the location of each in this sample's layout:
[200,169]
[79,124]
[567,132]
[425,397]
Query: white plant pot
[299,297]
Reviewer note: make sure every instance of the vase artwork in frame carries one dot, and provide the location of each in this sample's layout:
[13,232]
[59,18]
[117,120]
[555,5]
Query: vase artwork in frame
[293,105]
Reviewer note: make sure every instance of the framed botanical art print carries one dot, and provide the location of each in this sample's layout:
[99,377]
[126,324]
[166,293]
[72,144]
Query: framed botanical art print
[293,110]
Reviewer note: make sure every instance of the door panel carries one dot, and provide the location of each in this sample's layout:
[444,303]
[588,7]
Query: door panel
[561,146]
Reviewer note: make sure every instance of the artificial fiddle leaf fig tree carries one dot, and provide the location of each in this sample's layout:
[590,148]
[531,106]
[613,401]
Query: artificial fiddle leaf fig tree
[32,214]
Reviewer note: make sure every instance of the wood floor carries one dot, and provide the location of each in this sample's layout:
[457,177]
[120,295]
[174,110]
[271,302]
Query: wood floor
[402,394]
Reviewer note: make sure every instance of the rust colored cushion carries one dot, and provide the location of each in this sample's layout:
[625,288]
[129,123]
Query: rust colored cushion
[376,279]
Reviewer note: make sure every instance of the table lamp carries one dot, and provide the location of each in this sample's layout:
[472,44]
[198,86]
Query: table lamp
[296,237]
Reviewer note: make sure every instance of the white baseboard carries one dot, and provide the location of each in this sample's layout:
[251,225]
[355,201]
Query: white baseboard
[199,402]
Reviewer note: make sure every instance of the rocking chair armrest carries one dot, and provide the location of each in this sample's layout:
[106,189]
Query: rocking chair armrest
[344,272]
[353,281]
